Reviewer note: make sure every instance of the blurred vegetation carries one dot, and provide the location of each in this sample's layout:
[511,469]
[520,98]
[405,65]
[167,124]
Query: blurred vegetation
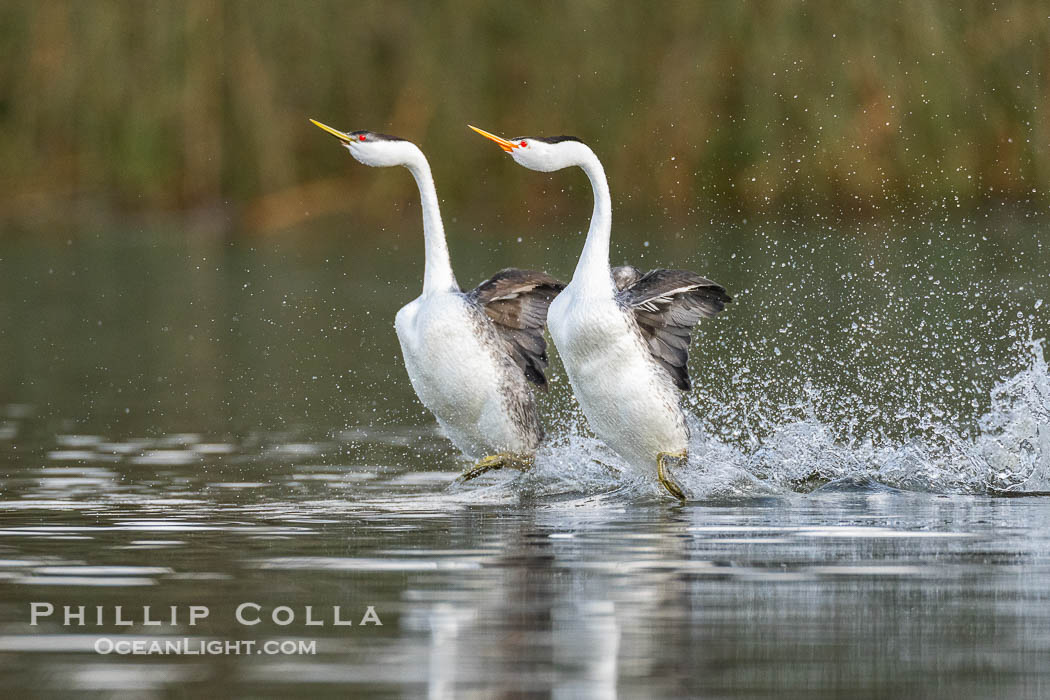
[852,107]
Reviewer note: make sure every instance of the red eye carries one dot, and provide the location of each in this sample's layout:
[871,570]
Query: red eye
[523,144]
[361,137]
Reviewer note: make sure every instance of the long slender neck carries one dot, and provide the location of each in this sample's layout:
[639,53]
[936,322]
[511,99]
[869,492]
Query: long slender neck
[437,273]
[592,271]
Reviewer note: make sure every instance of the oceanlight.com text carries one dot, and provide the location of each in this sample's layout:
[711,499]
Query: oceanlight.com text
[186,646]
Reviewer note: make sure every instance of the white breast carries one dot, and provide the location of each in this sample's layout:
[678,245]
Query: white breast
[629,401]
[457,376]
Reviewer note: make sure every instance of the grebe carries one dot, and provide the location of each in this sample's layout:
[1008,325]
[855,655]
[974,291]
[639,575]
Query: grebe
[622,336]
[469,355]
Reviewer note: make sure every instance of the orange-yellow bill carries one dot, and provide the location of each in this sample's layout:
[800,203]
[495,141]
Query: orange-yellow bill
[345,138]
[503,143]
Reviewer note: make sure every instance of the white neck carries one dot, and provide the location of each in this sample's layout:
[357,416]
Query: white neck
[437,273]
[592,271]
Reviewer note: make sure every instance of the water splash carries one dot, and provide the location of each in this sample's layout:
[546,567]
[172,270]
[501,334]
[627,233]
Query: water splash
[1008,453]
[1014,442]
[814,443]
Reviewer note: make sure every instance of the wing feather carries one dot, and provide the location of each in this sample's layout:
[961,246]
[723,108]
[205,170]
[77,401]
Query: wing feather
[517,301]
[667,305]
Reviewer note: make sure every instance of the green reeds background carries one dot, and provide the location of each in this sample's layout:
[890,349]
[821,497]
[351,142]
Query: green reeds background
[855,108]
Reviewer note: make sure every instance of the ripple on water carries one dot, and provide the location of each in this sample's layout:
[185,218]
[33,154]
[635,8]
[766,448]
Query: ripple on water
[86,570]
[400,436]
[238,484]
[94,581]
[49,643]
[365,564]
[141,677]
[166,458]
[215,448]
[153,544]
[856,532]
[80,456]
[78,441]
[124,448]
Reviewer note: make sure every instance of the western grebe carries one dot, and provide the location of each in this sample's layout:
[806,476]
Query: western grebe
[622,336]
[469,355]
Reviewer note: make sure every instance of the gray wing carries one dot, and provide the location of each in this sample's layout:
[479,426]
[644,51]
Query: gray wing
[516,301]
[667,304]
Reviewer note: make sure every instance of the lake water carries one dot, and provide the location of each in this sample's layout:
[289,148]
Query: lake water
[191,425]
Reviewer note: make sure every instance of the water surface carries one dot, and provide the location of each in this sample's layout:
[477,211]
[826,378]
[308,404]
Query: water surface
[209,426]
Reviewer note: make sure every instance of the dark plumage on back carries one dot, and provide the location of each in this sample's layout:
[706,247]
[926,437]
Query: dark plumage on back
[625,275]
[517,301]
[667,304]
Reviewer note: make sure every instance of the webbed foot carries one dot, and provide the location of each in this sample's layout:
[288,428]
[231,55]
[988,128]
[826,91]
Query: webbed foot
[501,460]
[666,480]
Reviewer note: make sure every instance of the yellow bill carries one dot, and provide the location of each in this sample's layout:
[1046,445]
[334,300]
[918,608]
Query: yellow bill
[345,138]
[502,143]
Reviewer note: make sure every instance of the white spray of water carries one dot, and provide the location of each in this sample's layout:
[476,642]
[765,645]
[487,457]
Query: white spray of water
[1014,442]
[1009,453]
